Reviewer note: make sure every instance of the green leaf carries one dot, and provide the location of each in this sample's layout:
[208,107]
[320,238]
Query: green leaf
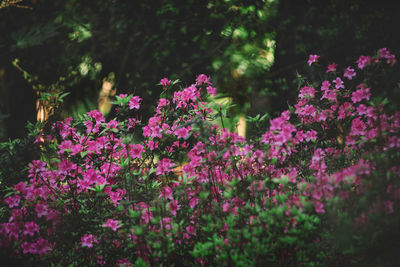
[288,239]
[175,82]
[134,213]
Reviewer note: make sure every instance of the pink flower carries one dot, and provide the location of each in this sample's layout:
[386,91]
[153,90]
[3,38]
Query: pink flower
[338,83]
[88,240]
[309,110]
[11,229]
[66,144]
[20,187]
[164,82]
[124,262]
[112,124]
[362,109]
[147,216]
[345,110]
[193,202]
[166,193]
[65,166]
[330,95]
[384,53]
[225,207]
[319,207]
[358,127]
[349,73]
[42,209]
[191,229]
[307,92]
[136,150]
[276,124]
[75,149]
[317,194]
[152,145]
[96,115]
[202,78]
[360,94]
[312,59]
[13,201]
[116,196]
[90,176]
[100,260]
[164,166]
[113,224]
[391,60]
[325,85]
[162,103]
[116,243]
[317,161]
[40,246]
[363,61]
[310,135]
[182,132]
[174,206]
[31,228]
[331,68]
[165,223]
[212,90]
[134,102]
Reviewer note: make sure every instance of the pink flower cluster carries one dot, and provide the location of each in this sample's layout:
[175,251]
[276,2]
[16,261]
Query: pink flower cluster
[190,182]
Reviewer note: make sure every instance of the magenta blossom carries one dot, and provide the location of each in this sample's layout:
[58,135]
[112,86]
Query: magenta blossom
[358,127]
[124,262]
[164,166]
[136,150]
[202,78]
[88,240]
[174,206]
[13,201]
[307,92]
[349,73]
[191,229]
[360,94]
[39,246]
[193,202]
[338,83]
[212,90]
[312,59]
[134,102]
[363,61]
[182,132]
[31,228]
[96,115]
[331,68]
[113,224]
[166,192]
[165,82]
[325,85]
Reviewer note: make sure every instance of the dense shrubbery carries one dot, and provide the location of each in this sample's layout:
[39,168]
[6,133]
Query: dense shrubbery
[320,187]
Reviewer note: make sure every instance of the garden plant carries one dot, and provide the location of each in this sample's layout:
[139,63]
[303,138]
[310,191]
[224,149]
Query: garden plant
[319,187]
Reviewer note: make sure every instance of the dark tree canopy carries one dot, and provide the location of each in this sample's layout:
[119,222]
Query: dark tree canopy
[252,49]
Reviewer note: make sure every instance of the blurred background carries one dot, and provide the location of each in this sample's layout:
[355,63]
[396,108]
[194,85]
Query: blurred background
[254,51]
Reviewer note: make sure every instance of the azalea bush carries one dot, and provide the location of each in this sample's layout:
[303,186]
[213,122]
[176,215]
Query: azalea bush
[319,187]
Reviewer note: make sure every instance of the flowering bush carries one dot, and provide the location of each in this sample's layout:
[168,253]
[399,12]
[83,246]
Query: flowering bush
[181,190]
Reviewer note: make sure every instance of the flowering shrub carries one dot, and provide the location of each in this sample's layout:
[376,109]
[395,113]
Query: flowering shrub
[191,192]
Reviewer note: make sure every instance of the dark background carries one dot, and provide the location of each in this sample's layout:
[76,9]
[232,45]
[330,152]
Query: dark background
[75,45]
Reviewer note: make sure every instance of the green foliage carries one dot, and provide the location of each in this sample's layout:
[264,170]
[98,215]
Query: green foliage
[14,158]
